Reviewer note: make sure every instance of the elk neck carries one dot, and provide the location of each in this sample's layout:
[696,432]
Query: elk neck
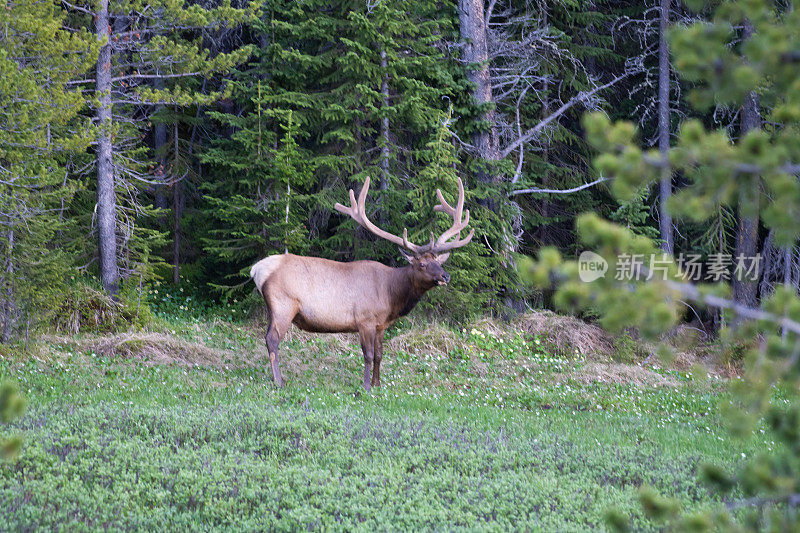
[407,289]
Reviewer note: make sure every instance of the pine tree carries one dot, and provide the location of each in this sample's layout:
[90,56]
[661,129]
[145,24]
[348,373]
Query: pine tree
[40,130]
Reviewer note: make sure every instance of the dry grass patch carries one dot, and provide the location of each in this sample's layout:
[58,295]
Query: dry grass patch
[88,309]
[432,340]
[165,349]
[567,333]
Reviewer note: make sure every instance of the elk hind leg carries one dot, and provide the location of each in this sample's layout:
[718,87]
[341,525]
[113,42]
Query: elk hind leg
[367,338]
[277,329]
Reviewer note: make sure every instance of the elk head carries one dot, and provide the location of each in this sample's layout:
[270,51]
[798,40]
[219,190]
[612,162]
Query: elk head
[426,260]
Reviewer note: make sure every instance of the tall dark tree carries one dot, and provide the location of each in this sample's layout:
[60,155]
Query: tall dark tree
[473,26]
[745,290]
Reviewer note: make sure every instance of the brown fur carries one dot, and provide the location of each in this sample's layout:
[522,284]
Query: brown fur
[325,296]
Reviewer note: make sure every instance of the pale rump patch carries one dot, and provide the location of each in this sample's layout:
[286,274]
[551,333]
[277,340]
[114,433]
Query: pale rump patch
[264,268]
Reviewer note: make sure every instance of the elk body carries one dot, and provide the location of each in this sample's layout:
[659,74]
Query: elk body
[365,297]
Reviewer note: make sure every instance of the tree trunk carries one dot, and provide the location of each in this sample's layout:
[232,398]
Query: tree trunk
[476,55]
[787,279]
[542,230]
[384,182]
[745,291]
[159,142]
[665,189]
[106,197]
[176,212]
[8,307]
[473,30]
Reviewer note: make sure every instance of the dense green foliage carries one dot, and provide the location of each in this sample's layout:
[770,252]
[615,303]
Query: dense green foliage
[747,54]
[248,123]
[40,130]
[235,129]
[367,93]
[11,406]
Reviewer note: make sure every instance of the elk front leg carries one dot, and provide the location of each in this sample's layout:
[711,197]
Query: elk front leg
[376,365]
[367,337]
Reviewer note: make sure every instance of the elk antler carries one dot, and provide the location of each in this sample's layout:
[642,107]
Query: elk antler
[441,244]
[357,211]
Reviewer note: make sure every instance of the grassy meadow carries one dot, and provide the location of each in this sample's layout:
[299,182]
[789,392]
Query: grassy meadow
[486,426]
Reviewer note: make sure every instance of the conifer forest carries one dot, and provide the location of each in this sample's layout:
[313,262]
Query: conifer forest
[572,227]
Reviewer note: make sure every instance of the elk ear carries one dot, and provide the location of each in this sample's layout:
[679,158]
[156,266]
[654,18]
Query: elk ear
[409,257]
[441,258]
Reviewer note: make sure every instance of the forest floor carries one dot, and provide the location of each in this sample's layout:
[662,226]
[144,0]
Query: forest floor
[530,425]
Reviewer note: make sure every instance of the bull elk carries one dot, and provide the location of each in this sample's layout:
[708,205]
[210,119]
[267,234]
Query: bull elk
[364,297]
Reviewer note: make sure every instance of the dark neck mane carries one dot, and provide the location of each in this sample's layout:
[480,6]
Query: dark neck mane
[406,293]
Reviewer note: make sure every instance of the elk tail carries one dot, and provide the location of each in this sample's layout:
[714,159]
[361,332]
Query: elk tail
[262,270]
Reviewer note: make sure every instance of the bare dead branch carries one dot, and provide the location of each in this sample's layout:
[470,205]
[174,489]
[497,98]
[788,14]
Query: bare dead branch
[559,191]
[581,97]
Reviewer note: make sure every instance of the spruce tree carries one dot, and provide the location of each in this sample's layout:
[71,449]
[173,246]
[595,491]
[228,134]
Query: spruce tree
[388,109]
[363,87]
[476,279]
[263,209]
[273,101]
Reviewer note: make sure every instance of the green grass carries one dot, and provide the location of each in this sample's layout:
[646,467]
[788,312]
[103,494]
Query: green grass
[476,433]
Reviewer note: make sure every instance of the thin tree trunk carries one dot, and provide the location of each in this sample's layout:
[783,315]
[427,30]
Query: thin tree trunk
[472,22]
[542,229]
[106,197]
[176,212]
[745,292]
[8,307]
[384,182]
[159,142]
[787,279]
[665,189]
[286,219]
